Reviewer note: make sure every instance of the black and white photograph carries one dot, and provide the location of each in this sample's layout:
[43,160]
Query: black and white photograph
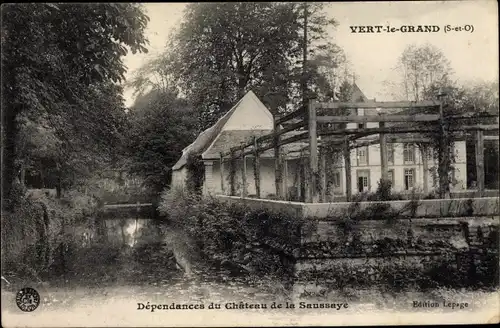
[218,164]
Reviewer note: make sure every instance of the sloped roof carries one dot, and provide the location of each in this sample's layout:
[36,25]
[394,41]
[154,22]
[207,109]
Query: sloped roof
[209,139]
[204,139]
[357,95]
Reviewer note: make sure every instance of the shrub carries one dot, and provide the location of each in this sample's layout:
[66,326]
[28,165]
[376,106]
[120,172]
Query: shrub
[232,235]
[431,195]
[196,173]
[32,234]
[384,189]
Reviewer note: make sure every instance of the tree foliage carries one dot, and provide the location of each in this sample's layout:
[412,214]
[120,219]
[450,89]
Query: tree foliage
[223,50]
[421,68]
[61,64]
[161,126]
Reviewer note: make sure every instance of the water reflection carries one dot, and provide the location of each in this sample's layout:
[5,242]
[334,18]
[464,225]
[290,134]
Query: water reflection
[130,232]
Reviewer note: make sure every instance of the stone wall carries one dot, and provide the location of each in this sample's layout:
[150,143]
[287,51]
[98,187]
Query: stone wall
[417,253]
[424,243]
[429,208]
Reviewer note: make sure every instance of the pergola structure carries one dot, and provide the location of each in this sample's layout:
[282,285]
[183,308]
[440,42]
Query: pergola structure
[306,129]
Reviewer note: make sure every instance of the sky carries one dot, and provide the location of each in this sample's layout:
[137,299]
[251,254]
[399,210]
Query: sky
[473,55]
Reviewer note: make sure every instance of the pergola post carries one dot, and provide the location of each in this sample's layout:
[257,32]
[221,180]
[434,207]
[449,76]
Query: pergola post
[425,163]
[383,154]
[256,166]
[232,172]
[244,177]
[480,162]
[285,178]
[313,153]
[222,173]
[347,164]
[277,159]
[444,156]
[300,176]
[322,174]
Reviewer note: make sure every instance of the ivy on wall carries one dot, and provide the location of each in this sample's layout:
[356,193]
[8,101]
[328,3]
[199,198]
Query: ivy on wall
[196,173]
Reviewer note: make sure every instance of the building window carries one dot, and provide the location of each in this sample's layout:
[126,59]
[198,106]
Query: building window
[453,175]
[361,125]
[390,153]
[409,153]
[362,155]
[363,181]
[409,179]
[390,174]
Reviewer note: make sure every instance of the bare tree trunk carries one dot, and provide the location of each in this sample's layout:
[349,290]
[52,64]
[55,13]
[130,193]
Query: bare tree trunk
[444,158]
[304,61]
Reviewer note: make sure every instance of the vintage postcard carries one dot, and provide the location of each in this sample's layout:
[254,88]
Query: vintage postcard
[250,164]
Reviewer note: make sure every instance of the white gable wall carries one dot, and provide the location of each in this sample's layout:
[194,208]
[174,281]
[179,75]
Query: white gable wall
[250,114]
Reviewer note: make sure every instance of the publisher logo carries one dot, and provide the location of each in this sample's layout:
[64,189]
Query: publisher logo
[27,299]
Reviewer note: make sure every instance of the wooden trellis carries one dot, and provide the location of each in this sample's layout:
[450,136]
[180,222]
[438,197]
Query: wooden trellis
[315,179]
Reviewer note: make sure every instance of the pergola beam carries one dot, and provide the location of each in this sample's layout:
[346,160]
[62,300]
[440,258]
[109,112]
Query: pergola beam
[378,118]
[378,104]
[289,116]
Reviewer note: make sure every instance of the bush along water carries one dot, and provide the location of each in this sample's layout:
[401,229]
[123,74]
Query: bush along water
[42,235]
[230,238]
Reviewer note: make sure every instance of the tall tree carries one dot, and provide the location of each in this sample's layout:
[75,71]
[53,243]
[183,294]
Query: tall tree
[420,68]
[226,49]
[57,58]
[424,74]
[318,53]
[330,71]
[158,73]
